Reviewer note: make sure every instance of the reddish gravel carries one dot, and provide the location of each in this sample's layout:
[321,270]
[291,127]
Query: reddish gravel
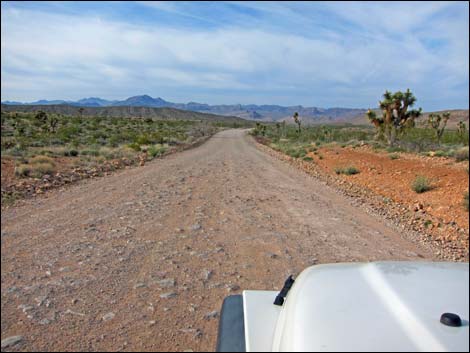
[393,178]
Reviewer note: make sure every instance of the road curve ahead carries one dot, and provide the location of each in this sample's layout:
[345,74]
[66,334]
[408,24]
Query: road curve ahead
[142,259]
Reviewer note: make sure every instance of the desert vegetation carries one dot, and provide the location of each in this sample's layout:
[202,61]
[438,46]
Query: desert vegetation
[351,170]
[394,131]
[417,171]
[421,184]
[41,145]
[27,135]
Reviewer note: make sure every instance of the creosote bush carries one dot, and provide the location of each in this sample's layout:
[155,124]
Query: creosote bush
[421,184]
[347,171]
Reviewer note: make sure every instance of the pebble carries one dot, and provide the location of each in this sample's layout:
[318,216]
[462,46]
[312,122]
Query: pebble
[11,341]
[168,295]
[68,311]
[206,275]
[108,316]
[25,308]
[411,254]
[232,287]
[196,226]
[198,334]
[211,315]
[44,322]
[167,283]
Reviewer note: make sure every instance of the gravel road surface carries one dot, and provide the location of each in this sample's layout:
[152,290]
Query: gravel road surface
[142,259]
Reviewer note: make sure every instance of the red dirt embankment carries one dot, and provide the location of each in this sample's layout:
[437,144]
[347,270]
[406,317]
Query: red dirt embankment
[393,179]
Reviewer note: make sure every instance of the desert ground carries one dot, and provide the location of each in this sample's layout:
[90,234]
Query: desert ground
[142,259]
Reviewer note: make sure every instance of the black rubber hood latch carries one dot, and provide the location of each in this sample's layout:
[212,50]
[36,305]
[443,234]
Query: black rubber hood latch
[284,291]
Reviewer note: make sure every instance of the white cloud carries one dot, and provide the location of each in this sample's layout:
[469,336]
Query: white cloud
[42,51]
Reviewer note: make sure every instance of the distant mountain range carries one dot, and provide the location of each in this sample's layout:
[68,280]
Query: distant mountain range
[163,113]
[249,111]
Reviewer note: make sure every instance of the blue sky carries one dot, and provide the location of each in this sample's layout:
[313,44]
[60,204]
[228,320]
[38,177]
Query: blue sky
[324,54]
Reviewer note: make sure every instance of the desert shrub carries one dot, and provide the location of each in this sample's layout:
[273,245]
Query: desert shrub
[40,169]
[421,184]
[17,151]
[347,171]
[70,153]
[135,146]
[37,143]
[308,159]
[154,151]
[293,152]
[46,153]
[351,171]
[99,160]
[23,170]
[440,153]
[56,142]
[114,140]
[42,160]
[461,154]
[143,140]
[110,154]
[394,149]
[90,152]
[274,146]
[393,156]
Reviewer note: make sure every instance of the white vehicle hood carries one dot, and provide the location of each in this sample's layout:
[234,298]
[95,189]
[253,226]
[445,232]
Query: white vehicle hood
[382,306]
[391,306]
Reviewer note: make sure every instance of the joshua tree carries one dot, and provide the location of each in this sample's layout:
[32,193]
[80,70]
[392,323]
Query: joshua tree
[297,120]
[41,120]
[378,123]
[80,111]
[438,123]
[462,130]
[395,114]
[53,122]
[41,117]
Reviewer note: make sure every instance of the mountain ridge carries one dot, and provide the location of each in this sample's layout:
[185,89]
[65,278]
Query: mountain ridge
[265,112]
[164,113]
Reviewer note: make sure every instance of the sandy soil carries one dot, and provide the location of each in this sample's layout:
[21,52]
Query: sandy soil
[142,259]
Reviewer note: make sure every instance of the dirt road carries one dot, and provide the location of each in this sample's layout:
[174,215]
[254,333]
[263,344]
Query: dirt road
[142,259]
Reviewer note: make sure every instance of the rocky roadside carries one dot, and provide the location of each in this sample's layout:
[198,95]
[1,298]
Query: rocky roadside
[448,241]
[27,188]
